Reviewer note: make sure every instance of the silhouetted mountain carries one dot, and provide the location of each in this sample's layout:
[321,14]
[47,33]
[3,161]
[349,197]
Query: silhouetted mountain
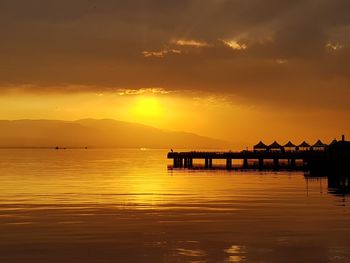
[96,133]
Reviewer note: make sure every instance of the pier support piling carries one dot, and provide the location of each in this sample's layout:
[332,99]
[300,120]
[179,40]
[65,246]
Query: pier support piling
[292,163]
[228,164]
[181,162]
[261,164]
[178,162]
[305,163]
[186,163]
[245,163]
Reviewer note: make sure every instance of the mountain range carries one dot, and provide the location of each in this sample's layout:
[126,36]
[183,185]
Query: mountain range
[106,133]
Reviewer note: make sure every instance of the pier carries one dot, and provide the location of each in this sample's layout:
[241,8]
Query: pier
[248,159]
[317,157]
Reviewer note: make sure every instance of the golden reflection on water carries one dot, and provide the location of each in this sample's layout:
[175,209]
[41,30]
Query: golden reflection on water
[128,206]
[190,252]
[236,253]
[112,177]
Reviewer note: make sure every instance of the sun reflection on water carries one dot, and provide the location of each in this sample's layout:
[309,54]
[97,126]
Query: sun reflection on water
[125,202]
[236,253]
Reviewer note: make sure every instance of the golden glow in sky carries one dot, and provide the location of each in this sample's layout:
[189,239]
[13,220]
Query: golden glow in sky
[216,117]
[146,107]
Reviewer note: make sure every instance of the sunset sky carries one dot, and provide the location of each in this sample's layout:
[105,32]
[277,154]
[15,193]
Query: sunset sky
[235,70]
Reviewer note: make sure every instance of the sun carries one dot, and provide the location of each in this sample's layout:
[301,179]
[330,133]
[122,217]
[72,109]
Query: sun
[147,107]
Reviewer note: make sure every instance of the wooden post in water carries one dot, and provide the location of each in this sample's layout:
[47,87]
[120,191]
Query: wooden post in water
[305,163]
[210,163]
[206,163]
[261,163]
[292,163]
[185,162]
[245,163]
[228,164]
[275,163]
[181,162]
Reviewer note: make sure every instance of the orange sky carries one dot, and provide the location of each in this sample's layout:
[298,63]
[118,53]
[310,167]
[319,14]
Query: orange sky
[214,116]
[235,70]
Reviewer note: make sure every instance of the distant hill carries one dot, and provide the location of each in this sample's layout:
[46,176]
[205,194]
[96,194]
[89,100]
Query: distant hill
[97,133]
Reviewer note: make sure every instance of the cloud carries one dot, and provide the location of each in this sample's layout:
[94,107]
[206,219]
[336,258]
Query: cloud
[160,54]
[77,46]
[333,46]
[124,92]
[281,61]
[235,44]
[190,42]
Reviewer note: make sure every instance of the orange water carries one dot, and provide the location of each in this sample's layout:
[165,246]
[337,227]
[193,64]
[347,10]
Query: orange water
[126,206]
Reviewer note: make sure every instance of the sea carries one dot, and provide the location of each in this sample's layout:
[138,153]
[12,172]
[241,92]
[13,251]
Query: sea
[129,205]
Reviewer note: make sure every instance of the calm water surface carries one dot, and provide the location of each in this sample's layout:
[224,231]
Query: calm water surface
[126,206]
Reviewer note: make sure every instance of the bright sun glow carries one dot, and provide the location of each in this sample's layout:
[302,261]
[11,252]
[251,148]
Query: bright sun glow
[146,106]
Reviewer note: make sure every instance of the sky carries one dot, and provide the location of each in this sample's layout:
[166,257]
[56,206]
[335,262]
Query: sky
[230,69]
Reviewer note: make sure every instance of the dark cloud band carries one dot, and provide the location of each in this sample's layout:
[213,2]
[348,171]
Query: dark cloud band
[268,51]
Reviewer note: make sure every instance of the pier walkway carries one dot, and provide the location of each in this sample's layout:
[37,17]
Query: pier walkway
[249,159]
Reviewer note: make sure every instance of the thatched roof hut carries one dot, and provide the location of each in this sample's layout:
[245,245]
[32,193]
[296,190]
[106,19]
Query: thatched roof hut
[275,146]
[319,146]
[289,145]
[260,146]
[319,143]
[304,146]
